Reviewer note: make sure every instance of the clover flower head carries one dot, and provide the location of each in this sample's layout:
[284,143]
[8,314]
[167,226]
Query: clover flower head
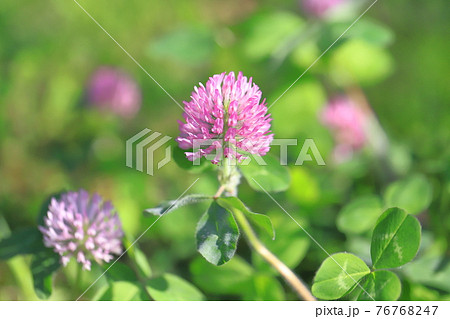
[347,122]
[320,8]
[227,117]
[113,90]
[83,227]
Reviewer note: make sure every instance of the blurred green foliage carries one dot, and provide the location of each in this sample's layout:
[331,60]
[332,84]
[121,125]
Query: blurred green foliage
[50,140]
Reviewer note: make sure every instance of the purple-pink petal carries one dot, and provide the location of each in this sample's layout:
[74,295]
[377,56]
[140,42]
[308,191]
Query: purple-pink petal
[113,90]
[320,8]
[80,226]
[227,111]
[347,123]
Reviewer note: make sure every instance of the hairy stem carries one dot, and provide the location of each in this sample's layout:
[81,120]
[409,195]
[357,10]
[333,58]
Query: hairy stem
[295,282]
[229,178]
[219,191]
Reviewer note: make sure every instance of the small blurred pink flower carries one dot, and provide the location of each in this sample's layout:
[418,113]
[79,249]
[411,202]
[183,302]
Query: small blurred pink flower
[320,8]
[346,121]
[113,90]
[228,112]
[82,227]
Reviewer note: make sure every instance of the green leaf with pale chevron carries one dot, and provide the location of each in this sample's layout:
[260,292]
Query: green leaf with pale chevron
[395,239]
[217,235]
[382,285]
[337,275]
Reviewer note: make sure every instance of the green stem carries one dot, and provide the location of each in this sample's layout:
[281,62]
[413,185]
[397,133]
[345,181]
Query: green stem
[229,177]
[296,283]
[78,278]
[139,277]
[219,191]
[23,276]
[19,268]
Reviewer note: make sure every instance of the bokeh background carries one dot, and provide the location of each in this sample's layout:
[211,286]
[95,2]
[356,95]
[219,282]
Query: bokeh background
[70,98]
